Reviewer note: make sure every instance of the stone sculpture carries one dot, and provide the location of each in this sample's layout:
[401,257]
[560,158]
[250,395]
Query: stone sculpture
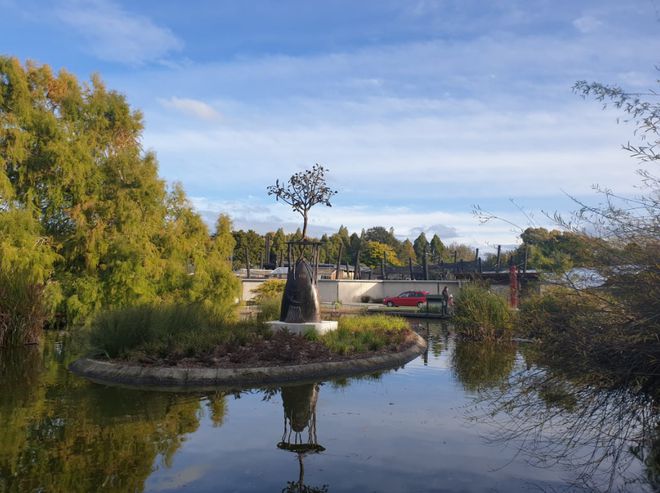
[300,303]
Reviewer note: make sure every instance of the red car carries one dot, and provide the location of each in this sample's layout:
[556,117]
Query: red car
[407,298]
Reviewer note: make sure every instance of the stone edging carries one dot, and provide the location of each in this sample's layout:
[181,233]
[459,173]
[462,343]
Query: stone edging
[174,378]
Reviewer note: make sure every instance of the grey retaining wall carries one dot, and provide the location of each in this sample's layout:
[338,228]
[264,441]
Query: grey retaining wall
[173,378]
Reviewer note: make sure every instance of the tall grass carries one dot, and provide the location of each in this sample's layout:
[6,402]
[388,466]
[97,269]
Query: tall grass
[482,315]
[166,331]
[363,333]
[23,311]
[268,298]
[269,309]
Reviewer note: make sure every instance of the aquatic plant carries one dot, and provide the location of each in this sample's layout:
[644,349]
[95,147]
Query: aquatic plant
[481,314]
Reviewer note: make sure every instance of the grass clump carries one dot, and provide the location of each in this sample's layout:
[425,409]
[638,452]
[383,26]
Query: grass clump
[482,315]
[364,333]
[189,335]
[164,331]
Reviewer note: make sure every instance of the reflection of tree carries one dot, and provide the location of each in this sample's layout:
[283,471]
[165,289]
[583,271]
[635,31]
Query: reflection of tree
[299,415]
[436,335]
[61,433]
[600,434]
[482,365]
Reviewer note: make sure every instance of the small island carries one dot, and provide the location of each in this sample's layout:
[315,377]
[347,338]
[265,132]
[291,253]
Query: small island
[191,347]
[175,355]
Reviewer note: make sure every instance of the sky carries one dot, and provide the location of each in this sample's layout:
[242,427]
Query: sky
[420,109]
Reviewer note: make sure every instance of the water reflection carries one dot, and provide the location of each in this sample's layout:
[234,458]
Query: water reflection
[598,435]
[61,433]
[436,335]
[299,404]
[482,365]
[395,431]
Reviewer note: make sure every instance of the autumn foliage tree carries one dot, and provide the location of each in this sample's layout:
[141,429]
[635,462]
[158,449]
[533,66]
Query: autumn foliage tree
[109,231]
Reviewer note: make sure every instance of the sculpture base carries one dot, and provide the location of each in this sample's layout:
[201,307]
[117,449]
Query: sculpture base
[320,327]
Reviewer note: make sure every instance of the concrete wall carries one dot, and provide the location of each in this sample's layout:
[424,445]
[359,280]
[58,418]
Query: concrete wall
[351,291]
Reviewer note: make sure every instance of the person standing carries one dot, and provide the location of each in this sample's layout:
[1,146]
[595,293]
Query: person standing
[445,301]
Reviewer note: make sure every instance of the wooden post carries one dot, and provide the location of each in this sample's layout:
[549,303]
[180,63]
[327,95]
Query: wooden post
[267,250]
[357,273]
[476,255]
[499,258]
[290,267]
[410,267]
[247,261]
[513,286]
[426,266]
[455,256]
[479,265]
[338,270]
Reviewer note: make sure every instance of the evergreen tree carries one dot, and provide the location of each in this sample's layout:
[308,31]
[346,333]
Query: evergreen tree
[407,251]
[421,246]
[354,246]
[437,248]
[382,235]
[278,248]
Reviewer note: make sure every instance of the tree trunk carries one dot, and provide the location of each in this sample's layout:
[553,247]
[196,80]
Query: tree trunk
[304,231]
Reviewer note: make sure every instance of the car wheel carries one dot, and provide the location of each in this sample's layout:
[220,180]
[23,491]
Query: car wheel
[420,304]
[390,304]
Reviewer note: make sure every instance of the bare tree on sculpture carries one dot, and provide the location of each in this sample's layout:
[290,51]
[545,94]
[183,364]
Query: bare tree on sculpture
[303,191]
[300,301]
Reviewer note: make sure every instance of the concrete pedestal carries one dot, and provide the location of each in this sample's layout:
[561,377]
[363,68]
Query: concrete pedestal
[320,327]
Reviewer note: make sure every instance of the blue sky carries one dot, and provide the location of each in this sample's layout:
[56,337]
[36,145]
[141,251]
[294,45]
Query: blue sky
[420,109]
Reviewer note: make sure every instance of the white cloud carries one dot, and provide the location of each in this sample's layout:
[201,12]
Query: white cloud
[409,124]
[464,152]
[191,107]
[460,227]
[587,24]
[116,35]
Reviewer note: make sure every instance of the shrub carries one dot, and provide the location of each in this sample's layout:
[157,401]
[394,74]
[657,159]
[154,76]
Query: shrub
[593,332]
[482,315]
[269,289]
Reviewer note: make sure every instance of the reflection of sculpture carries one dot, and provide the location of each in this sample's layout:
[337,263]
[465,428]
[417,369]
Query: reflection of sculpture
[300,302]
[299,414]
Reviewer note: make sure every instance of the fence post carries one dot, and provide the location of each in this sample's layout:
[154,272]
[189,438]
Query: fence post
[426,266]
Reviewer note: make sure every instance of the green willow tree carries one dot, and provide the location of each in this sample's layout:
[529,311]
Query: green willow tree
[71,159]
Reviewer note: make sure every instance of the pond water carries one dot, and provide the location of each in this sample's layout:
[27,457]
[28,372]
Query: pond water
[463,417]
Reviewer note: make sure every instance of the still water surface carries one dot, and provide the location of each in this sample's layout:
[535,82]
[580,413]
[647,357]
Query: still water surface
[448,421]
